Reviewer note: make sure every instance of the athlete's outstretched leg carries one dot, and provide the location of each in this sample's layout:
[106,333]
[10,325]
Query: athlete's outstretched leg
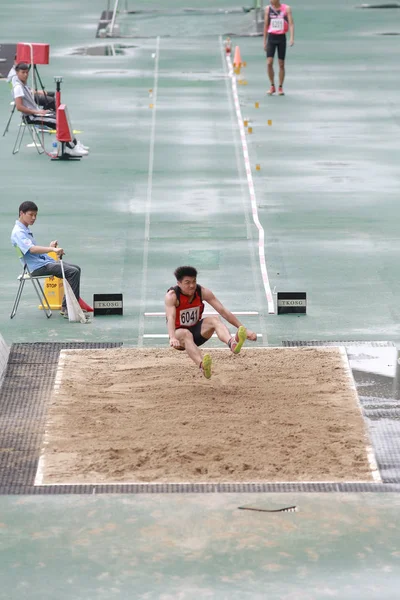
[186,340]
[211,324]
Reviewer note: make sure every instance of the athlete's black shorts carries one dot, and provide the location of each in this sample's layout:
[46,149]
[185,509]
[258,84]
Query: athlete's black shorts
[274,42]
[199,340]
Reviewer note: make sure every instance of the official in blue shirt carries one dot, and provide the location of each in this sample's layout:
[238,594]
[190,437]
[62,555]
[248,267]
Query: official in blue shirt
[36,257]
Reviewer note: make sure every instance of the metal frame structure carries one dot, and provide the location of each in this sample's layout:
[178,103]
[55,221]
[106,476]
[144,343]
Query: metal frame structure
[27,276]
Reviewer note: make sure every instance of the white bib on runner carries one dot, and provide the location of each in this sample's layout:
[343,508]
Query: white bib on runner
[277,24]
[189,316]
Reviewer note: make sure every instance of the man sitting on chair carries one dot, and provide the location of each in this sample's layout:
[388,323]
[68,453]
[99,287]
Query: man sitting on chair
[36,257]
[25,103]
[43,98]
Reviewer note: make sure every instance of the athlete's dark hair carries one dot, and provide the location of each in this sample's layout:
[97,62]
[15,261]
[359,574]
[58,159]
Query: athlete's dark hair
[28,205]
[182,272]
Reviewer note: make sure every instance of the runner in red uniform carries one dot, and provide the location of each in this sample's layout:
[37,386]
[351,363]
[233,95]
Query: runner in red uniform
[187,329]
[277,22]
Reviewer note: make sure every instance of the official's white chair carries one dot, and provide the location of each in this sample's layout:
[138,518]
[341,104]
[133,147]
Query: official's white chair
[9,119]
[34,135]
[27,276]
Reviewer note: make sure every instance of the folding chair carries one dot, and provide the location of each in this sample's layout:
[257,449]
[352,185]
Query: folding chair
[27,276]
[9,120]
[34,135]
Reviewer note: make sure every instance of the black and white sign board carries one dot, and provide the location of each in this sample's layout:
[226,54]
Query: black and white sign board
[291,302]
[107,304]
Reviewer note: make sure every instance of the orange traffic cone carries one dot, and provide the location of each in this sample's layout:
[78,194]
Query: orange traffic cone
[237,61]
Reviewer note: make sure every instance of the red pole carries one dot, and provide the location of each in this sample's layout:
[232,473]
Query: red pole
[58,94]
[58,81]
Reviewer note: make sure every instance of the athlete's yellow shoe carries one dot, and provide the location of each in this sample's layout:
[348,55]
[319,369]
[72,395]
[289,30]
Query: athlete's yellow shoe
[206,366]
[236,343]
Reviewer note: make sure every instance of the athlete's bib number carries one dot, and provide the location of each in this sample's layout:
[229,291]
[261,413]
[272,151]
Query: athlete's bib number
[190,316]
[277,25]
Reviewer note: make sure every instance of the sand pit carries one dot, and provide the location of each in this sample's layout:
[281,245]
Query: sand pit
[270,414]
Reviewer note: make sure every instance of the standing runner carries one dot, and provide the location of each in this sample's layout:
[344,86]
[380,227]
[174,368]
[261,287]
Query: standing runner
[187,329]
[278,21]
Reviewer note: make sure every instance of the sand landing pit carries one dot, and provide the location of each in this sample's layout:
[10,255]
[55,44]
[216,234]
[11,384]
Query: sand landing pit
[270,414]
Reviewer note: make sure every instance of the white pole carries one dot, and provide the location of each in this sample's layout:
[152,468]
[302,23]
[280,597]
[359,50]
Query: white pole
[113,17]
[32,69]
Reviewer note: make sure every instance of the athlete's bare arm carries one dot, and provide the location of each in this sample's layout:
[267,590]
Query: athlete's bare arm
[266,25]
[291,25]
[170,313]
[209,297]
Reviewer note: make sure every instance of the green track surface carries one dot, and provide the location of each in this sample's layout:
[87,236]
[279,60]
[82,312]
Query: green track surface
[165,186]
[326,192]
[201,546]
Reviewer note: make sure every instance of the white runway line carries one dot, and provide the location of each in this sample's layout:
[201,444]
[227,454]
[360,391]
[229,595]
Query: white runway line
[376,476]
[243,190]
[149,197]
[205,313]
[165,335]
[261,235]
[56,387]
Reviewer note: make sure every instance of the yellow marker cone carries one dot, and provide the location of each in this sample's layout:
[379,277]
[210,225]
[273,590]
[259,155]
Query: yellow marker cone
[269,122]
[257,104]
[151,105]
[250,129]
[258,167]
[245,122]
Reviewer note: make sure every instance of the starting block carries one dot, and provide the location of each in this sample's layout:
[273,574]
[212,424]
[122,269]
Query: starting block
[107,304]
[292,302]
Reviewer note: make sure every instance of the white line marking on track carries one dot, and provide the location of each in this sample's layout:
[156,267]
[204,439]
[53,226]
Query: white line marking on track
[165,335]
[261,235]
[243,190]
[57,384]
[376,476]
[205,314]
[148,200]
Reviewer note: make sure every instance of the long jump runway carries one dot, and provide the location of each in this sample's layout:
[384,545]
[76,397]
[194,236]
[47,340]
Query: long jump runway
[98,418]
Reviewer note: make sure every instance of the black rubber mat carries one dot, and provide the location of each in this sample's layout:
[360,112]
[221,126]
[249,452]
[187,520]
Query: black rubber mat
[202,488]
[25,392]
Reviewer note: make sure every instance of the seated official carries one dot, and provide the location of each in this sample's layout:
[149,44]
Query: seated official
[37,258]
[43,98]
[25,103]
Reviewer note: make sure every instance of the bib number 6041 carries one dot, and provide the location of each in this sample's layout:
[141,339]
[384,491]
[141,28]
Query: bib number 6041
[189,317]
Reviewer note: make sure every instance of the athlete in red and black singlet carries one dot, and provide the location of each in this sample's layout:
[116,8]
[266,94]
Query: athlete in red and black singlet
[189,313]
